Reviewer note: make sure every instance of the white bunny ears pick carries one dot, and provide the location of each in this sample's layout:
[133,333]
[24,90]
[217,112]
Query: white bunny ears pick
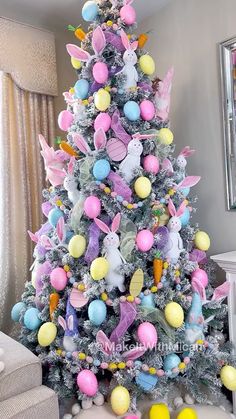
[114,226]
[172,210]
[186,152]
[187,182]
[126,42]
[98,44]
[100,141]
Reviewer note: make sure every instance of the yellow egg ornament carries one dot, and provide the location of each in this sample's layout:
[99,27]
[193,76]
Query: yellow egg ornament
[228,377]
[99,268]
[76,64]
[165,136]
[142,187]
[102,100]
[47,334]
[147,64]
[159,411]
[187,413]
[120,400]
[174,314]
[202,241]
[77,246]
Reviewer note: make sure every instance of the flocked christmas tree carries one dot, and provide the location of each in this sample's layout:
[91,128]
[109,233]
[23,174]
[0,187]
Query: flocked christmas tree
[121,291]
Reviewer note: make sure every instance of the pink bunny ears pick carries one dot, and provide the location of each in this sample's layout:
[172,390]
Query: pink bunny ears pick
[126,42]
[172,210]
[98,44]
[187,182]
[100,141]
[114,226]
[186,152]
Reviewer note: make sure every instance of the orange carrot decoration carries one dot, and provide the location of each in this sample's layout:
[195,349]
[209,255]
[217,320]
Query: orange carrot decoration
[142,39]
[54,300]
[68,149]
[79,32]
[157,268]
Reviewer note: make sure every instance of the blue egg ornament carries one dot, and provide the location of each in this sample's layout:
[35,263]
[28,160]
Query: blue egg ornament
[97,312]
[185,191]
[81,89]
[16,311]
[171,361]
[69,235]
[148,301]
[132,110]
[31,319]
[101,169]
[146,381]
[54,215]
[185,217]
[90,11]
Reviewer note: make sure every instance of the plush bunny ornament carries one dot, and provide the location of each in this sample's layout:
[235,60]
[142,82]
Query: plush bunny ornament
[130,59]
[71,184]
[98,44]
[162,96]
[175,243]
[70,326]
[111,245]
[181,159]
[132,160]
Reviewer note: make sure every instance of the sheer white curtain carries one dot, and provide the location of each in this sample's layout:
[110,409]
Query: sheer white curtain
[23,115]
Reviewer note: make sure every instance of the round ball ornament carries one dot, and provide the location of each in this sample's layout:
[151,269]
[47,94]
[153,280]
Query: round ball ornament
[47,334]
[65,120]
[102,100]
[185,217]
[76,64]
[151,164]
[31,318]
[116,149]
[101,169]
[228,377]
[77,246]
[147,64]
[142,187]
[187,413]
[144,240]
[128,14]
[54,215]
[201,276]
[97,312]
[132,110]
[147,110]
[100,73]
[202,241]
[99,268]
[81,89]
[17,310]
[58,279]
[165,136]
[103,120]
[87,382]
[120,400]
[147,335]
[171,361]
[90,11]
[92,206]
[174,314]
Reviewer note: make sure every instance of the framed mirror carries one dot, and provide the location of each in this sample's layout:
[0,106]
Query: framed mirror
[228,82]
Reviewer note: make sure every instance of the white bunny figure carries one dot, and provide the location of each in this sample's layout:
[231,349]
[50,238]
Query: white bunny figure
[181,159]
[111,244]
[132,160]
[175,243]
[71,184]
[130,59]
[70,326]
[79,110]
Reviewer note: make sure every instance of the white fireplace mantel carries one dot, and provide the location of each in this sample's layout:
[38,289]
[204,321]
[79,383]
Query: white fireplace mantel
[227,261]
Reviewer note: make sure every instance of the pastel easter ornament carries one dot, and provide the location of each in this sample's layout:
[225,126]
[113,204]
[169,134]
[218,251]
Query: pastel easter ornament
[146,381]
[132,110]
[162,96]
[148,301]
[65,120]
[228,377]
[47,334]
[99,268]
[87,383]
[151,164]
[92,206]
[174,314]
[175,243]
[201,276]
[31,318]
[58,279]
[128,13]
[103,120]
[90,11]
[130,59]
[101,169]
[97,312]
[147,110]
[70,327]
[112,254]
[81,89]
[181,159]
[142,187]
[54,216]
[147,64]
[147,335]
[185,217]
[144,240]
[165,136]
[76,64]
[70,183]
[77,246]
[132,160]
[102,100]
[195,321]
[159,411]
[187,413]
[17,310]
[171,362]
[120,400]
[100,72]
[202,241]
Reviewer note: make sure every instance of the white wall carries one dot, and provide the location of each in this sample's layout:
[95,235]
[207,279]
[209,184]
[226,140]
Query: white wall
[185,33]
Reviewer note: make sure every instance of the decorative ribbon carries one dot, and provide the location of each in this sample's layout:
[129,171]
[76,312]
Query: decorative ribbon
[128,314]
[118,128]
[119,186]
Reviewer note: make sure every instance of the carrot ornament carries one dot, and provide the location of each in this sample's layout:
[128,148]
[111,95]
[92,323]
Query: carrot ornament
[53,303]
[68,149]
[157,268]
[142,39]
[78,31]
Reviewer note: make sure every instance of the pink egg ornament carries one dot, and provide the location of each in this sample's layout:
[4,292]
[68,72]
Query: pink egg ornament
[103,120]
[92,206]
[100,73]
[65,120]
[58,279]
[116,149]
[128,14]
[147,110]
[144,240]
[201,276]
[147,335]
[151,164]
[87,382]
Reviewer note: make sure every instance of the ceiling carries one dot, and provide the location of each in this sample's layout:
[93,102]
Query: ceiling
[57,14]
